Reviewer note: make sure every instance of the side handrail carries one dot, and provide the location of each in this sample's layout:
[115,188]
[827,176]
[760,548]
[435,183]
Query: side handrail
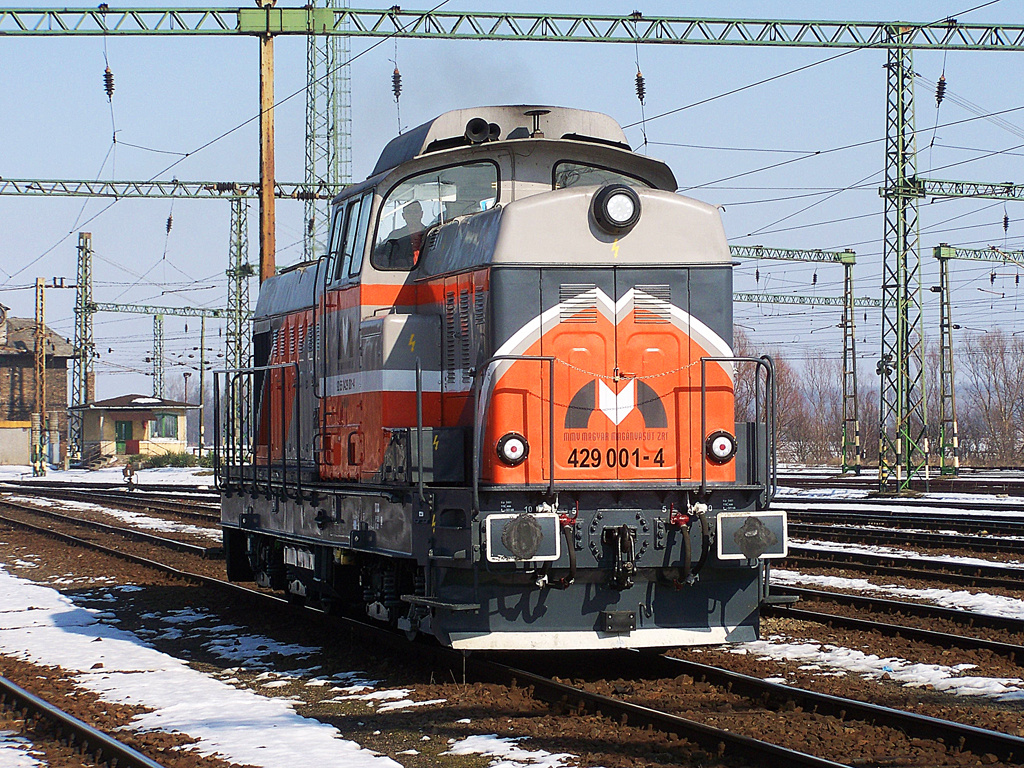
[770,464]
[483,402]
[234,375]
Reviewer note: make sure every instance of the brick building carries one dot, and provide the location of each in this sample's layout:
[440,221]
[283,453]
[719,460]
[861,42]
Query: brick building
[18,387]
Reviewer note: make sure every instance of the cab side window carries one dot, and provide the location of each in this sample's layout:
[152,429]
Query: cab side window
[360,244]
[419,202]
[348,240]
[337,227]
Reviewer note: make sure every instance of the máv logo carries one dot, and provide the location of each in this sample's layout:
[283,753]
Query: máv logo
[596,395]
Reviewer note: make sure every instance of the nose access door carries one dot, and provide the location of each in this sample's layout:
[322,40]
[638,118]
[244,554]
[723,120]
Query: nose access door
[647,398]
[622,375]
[580,334]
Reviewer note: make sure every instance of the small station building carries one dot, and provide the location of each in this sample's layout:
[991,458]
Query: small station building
[134,424]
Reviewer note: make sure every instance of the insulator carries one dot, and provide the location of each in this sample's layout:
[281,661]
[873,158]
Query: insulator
[940,90]
[814,279]
[757,275]
[992,278]
[170,223]
[1016,279]
[311,224]
[186,327]
[396,83]
[1006,222]
[641,87]
[108,82]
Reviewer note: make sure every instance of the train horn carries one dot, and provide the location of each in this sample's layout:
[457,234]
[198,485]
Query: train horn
[479,130]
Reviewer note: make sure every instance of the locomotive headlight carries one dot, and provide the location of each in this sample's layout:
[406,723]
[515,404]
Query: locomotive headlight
[616,208]
[513,448]
[721,446]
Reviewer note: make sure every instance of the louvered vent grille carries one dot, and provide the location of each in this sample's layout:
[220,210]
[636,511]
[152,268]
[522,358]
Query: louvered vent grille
[578,302]
[653,303]
[465,332]
[450,340]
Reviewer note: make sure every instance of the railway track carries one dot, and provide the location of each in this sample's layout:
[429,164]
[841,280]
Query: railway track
[126,533]
[102,748]
[1009,524]
[202,508]
[967,619]
[851,534]
[1012,651]
[964,484]
[721,741]
[913,567]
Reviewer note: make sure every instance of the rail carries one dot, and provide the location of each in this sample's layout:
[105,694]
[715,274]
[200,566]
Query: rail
[232,439]
[102,747]
[483,401]
[770,466]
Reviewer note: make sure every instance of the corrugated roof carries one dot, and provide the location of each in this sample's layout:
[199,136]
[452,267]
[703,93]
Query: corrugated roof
[21,340]
[136,403]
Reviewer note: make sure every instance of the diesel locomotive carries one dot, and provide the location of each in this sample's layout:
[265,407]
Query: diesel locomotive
[503,409]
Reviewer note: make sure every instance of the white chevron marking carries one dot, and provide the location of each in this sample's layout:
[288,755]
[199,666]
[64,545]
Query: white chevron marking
[616,406]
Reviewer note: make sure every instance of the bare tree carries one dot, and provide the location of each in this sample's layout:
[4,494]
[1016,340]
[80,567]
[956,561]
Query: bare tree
[822,392]
[992,365]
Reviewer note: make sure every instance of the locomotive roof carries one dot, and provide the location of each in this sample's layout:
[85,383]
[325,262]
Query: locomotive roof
[513,121]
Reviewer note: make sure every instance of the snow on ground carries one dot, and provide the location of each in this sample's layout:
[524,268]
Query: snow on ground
[41,626]
[788,492]
[982,503]
[16,752]
[987,506]
[507,753]
[201,477]
[836,659]
[883,551]
[993,605]
[135,519]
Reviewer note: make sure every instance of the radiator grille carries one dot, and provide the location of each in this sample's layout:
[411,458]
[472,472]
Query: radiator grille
[653,303]
[578,303]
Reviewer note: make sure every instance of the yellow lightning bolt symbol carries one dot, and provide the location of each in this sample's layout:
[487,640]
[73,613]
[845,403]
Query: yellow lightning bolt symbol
[435,442]
[615,248]
[412,342]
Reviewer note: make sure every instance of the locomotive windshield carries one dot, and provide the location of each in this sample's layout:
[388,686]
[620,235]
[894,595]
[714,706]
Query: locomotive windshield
[422,201]
[571,174]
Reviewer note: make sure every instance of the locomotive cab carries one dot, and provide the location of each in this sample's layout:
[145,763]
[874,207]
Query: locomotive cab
[503,408]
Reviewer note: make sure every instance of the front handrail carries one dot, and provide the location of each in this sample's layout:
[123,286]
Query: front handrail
[483,402]
[770,464]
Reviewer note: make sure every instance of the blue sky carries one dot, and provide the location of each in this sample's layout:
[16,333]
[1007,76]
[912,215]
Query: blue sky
[174,95]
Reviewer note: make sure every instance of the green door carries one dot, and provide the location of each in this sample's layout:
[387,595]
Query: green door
[122,434]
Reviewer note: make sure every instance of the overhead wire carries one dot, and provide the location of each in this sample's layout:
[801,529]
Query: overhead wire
[224,135]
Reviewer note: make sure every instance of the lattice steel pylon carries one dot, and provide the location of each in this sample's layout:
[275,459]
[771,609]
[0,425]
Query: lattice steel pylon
[85,348]
[851,420]
[328,127]
[158,356]
[238,343]
[949,437]
[39,429]
[903,439]
[949,433]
